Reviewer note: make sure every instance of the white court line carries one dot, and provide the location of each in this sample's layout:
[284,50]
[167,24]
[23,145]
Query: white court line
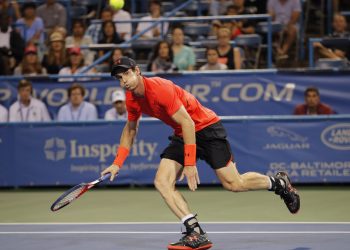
[162,232]
[172,222]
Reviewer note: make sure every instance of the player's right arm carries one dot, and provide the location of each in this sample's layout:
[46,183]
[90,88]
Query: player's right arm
[126,141]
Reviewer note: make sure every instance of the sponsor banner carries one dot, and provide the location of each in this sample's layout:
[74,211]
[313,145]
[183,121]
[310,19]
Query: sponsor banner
[227,94]
[313,150]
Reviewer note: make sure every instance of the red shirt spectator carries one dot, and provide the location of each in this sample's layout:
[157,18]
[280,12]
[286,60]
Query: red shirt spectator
[312,105]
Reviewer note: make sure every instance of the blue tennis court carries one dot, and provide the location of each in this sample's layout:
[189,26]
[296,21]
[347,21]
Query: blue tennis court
[153,236]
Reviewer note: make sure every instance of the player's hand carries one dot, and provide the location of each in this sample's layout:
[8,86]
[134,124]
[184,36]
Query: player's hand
[113,169]
[192,177]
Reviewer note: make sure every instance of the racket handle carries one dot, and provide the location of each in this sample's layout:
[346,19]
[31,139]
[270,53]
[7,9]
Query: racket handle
[106,176]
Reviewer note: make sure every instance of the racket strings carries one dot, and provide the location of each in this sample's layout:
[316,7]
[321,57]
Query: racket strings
[70,197]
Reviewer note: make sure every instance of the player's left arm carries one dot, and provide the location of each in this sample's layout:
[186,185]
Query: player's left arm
[182,117]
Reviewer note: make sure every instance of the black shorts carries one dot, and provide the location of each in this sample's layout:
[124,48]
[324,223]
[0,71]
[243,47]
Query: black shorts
[212,146]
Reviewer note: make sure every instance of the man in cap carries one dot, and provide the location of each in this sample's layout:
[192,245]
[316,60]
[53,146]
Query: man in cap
[198,133]
[118,112]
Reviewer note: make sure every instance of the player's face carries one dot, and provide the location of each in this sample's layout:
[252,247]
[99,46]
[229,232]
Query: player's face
[312,99]
[129,79]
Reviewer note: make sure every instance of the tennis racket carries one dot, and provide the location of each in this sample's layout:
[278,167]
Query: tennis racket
[75,192]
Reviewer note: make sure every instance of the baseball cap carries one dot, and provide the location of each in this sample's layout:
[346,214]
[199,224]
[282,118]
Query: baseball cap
[118,95]
[74,50]
[30,49]
[122,64]
[56,36]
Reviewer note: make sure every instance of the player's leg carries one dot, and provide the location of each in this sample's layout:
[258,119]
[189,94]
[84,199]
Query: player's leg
[233,181]
[195,238]
[165,181]
[216,151]
[280,184]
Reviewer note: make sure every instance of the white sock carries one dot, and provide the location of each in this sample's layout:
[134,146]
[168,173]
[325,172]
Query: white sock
[187,217]
[270,182]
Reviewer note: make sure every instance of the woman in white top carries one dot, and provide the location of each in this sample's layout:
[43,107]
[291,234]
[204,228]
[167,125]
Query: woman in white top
[75,65]
[213,61]
[30,64]
[28,108]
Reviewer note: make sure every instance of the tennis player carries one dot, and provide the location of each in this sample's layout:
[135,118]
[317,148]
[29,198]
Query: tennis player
[198,133]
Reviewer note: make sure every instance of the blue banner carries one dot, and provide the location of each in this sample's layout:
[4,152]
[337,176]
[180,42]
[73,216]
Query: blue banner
[260,93]
[311,150]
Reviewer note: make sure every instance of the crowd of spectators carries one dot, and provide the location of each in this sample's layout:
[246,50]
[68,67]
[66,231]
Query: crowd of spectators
[45,26]
[36,38]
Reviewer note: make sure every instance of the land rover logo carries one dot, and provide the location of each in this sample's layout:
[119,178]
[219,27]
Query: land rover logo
[337,136]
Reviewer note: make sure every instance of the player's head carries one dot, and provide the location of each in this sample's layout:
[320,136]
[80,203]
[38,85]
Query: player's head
[126,71]
[76,93]
[312,97]
[25,90]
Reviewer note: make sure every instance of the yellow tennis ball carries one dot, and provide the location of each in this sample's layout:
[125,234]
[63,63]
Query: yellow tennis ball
[116,4]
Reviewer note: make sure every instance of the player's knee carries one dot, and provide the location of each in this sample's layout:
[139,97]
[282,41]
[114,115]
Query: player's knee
[162,185]
[234,187]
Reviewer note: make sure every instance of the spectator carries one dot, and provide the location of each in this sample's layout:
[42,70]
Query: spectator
[218,7]
[30,64]
[234,26]
[227,54]
[109,36]
[124,29]
[155,13]
[11,8]
[79,39]
[162,59]
[75,65]
[53,14]
[338,51]
[118,112]
[117,53]
[246,26]
[56,57]
[3,114]
[28,108]
[184,57]
[286,12]
[313,105]
[213,61]
[30,26]
[11,46]
[94,30]
[77,109]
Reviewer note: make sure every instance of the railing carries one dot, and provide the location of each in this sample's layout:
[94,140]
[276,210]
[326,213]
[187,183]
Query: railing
[194,19]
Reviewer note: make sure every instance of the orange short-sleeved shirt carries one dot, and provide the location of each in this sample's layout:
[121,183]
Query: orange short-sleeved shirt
[162,99]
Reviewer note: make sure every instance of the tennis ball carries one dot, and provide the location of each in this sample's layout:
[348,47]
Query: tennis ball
[116,4]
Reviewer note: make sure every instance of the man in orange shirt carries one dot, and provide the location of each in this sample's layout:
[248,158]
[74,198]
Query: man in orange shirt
[198,133]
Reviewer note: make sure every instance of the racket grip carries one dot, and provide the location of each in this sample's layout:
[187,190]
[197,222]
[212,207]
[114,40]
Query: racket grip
[105,177]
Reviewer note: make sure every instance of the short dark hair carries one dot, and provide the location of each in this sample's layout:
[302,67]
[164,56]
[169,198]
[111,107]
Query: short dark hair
[211,48]
[311,89]
[24,83]
[76,86]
